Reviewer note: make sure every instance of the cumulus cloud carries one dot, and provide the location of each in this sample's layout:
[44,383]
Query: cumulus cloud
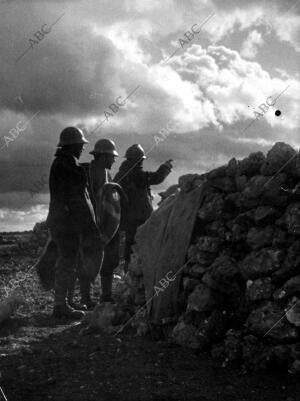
[251,44]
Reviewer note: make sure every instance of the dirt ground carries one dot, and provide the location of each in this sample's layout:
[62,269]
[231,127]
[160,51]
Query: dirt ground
[43,360]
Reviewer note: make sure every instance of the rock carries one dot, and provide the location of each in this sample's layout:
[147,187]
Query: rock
[201,299]
[293,311]
[217,229]
[295,351]
[259,289]
[188,182]
[265,215]
[264,189]
[234,200]
[269,321]
[252,164]
[241,182]
[238,233]
[201,258]
[291,287]
[186,335]
[192,253]
[292,218]
[189,284]
[213,328]
[261,263]
[233,345]
[218,353]
[254,191]
[291,263]
[258,238]
[296,369]
[218,172]
[281,154]
[208,244]
[225,184]
[232,168]
[195,270]
[255,353]
[205,258]
[213,208]
[222,274]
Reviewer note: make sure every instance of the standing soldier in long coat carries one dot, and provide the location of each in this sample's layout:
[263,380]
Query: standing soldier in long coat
[71,217]
[136,183]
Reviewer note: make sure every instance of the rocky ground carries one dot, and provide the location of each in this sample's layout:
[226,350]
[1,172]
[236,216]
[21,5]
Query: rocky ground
[41,360]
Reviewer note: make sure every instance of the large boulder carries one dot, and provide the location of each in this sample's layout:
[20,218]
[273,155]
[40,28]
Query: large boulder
[281,156]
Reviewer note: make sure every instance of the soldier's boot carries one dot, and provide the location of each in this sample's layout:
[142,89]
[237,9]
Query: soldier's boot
[61,308]
[66,311]
[106,287]
[71,290]
[85,289]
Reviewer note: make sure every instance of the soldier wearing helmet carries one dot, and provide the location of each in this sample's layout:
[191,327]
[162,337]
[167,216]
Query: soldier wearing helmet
[104,153]
[71,215]
[136,183]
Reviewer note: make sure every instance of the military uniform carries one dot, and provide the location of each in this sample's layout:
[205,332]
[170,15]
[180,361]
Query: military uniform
[98,177]
[70,217]
[136,183]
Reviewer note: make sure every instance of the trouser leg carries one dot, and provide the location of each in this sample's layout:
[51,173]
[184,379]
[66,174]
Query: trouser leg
[129,241]
[67,248]
[110,262]
[71,286]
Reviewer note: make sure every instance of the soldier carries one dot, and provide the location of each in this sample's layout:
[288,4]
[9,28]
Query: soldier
[71,216]
[104,156]
[136,184]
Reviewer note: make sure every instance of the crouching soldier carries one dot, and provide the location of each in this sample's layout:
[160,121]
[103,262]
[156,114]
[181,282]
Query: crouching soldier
[136,184]
[71,216]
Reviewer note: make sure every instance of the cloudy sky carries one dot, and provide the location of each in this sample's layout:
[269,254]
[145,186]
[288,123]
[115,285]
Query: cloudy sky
[126,69]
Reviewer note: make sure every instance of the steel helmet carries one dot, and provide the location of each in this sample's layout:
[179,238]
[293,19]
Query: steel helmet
[135,152]
[106,146]
[71,136]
